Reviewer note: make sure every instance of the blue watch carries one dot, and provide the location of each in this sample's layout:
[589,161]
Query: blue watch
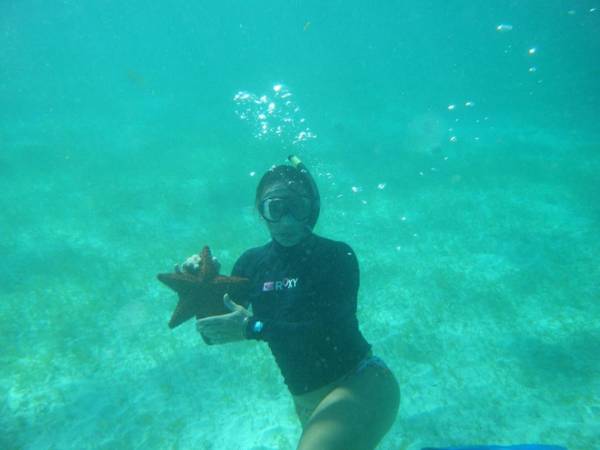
[257,327]
[253,328]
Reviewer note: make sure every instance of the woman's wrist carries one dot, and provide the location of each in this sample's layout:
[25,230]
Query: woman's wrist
[254,328]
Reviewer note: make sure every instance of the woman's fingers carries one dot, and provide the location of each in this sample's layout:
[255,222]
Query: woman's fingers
[214,335]
[193,260]
[208,331]
[190,265]
[221,329]
[214,320]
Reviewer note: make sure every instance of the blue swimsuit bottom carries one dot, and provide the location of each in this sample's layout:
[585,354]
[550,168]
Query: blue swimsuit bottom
[502,447]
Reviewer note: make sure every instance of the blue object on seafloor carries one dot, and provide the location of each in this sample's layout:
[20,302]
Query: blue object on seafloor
[501,447]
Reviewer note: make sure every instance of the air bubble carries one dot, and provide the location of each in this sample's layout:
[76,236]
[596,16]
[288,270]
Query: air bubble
[273,116]
[504,27]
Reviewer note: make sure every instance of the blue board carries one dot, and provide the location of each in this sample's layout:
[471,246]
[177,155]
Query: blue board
[501,447]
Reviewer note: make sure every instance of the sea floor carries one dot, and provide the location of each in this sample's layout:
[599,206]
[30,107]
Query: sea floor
[479,287]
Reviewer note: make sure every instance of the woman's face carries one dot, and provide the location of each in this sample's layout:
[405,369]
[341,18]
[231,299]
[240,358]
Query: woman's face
[288,230]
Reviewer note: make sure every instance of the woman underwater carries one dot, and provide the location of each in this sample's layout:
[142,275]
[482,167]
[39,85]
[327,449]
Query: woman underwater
[303,300]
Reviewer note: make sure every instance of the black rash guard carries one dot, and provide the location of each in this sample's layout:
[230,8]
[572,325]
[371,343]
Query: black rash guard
[306,297]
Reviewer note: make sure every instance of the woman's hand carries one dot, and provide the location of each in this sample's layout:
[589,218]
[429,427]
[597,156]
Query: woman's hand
[190,265]
[227,327]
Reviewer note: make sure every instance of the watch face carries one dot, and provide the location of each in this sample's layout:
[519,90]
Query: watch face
[258,326]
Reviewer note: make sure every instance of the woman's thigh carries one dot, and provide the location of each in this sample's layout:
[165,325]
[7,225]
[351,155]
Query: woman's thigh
[356,414]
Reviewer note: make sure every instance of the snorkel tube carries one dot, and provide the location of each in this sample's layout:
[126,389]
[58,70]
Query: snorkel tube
[315,197]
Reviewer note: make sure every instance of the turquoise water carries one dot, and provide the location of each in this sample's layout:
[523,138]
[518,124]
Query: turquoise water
[457,150]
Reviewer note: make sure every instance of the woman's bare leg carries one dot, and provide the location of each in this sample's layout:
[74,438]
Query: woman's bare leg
[356,414]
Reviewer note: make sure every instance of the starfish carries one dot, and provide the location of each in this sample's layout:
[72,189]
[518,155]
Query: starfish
[201,294]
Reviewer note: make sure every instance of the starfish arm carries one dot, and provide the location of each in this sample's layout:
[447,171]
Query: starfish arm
[201,298]
[179,282]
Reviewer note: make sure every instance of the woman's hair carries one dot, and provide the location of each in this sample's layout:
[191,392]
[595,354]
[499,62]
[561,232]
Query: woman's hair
[297,180]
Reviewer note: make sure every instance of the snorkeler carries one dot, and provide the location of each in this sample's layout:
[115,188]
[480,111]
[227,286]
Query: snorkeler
[303,300]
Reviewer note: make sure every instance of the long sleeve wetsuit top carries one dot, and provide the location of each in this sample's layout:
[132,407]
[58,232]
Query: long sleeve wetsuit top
[305,296]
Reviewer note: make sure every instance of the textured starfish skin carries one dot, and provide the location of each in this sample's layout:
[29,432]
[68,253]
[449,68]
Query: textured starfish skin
[201,294]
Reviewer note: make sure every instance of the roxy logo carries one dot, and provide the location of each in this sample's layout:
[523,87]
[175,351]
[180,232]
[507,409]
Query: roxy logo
[286,283]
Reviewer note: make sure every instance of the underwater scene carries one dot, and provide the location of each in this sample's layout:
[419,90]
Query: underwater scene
[456,150]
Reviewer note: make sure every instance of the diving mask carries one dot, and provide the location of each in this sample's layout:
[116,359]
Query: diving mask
[274,208]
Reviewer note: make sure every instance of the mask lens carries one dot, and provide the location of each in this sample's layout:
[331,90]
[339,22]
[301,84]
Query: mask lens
[273,209]
[299,207]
